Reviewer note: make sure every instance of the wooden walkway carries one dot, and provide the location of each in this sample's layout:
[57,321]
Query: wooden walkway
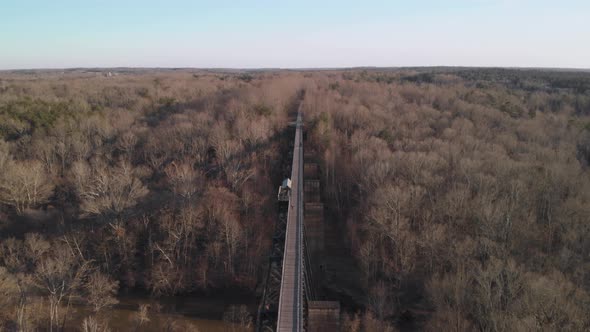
[290,312]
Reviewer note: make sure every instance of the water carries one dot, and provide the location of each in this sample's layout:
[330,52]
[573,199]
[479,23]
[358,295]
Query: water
[194,313]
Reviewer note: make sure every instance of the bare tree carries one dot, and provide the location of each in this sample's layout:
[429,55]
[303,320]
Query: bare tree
[106,190]
[44,151]
[9,290]
[18,259]
[36,246]
[391,217]
[101,291]
[379,300]
[91,324]
[237,173]
[25,185]
[126,142]
[184,180]
[222,218]
[5,156]
[60,277]
[141,317]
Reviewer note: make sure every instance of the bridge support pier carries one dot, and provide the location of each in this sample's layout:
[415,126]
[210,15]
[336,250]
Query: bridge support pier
[314,217]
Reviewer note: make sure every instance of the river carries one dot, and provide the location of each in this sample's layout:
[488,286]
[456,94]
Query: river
[186,313]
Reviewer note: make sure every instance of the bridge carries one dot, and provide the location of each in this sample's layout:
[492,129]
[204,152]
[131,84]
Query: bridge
[289,300]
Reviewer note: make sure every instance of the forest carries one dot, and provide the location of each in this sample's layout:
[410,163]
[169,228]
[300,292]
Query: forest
[462,195]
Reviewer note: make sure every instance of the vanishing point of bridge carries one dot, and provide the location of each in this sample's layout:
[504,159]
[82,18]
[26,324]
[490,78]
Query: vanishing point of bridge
[290,300]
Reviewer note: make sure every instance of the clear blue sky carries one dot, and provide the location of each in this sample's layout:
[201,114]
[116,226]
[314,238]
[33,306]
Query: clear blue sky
[289,34]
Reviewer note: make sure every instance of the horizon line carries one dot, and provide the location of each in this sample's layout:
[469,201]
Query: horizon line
[288,68]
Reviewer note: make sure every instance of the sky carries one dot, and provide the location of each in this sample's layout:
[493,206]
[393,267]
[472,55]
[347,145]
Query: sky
[294,34]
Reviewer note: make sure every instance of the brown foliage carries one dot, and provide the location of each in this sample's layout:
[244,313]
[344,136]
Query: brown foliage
[461,192]
[475,193]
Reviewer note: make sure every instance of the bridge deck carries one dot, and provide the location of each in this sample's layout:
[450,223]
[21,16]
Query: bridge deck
[290,301]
